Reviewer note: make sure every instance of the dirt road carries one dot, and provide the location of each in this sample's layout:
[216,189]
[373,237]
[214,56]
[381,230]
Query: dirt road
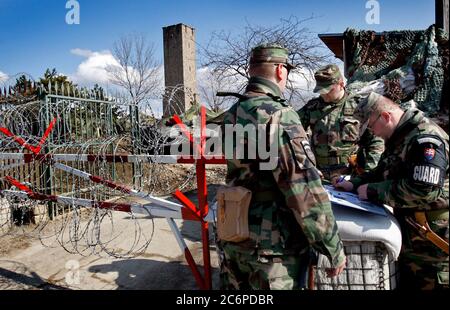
[28,264]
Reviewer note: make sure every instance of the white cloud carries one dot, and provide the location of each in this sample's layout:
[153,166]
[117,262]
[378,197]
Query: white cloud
[302,79]
[3,77]
[81,52]
[93,69]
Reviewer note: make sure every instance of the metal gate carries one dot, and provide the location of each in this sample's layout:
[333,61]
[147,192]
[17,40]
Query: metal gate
[88,121]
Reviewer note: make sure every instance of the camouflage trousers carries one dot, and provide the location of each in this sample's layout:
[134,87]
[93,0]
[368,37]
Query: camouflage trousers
[422,272]
[244,269]
[423,277]
[423,266]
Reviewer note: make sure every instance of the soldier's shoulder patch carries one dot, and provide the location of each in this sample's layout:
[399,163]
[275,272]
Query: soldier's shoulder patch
[428,160]
[429,153]
[430,139]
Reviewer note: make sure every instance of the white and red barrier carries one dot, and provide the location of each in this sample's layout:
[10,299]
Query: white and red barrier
[157,207]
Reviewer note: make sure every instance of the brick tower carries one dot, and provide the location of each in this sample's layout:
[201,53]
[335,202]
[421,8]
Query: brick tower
[179,69]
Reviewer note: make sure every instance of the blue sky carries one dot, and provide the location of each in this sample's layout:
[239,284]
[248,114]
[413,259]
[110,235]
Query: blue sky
[34,35]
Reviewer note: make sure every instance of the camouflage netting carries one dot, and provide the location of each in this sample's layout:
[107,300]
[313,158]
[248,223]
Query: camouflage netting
[405,65]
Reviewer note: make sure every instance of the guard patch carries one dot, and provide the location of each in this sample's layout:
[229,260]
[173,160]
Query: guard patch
[429,153]
[427,174]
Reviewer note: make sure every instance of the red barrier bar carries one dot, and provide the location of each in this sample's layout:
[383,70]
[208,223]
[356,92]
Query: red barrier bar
[19,140]
[183,127]
[202,192]
[198,277]
[19,185]
[51,198]
[97,179]
[34,149]
[220,160]
[44,137]
[190,208]
[190,211]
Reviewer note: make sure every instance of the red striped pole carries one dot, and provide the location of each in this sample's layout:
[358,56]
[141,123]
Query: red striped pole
[202,193]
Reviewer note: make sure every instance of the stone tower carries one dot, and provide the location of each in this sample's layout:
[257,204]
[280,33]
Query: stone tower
[179,69]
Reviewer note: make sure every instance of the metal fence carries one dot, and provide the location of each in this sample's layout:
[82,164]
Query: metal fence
[87,122]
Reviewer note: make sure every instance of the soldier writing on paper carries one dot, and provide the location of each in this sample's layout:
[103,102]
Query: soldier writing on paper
[412,177]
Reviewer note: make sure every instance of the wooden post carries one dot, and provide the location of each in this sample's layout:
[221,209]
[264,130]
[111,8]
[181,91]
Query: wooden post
[441,9]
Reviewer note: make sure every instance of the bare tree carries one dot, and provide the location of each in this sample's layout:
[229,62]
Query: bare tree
[228,54]
[209,83]
[137,69]
[137,73]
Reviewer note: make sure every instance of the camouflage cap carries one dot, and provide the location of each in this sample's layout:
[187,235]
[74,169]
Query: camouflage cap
[271,53]
[365,109]
[326,77]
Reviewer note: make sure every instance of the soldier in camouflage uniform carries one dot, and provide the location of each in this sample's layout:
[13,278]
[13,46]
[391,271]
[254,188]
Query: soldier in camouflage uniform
[411,176]
[334,130]
[289,211]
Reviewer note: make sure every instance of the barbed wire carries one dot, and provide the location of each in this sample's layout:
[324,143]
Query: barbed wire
[89,130]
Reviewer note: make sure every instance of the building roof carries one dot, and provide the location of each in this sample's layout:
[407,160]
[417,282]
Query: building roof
[335,42]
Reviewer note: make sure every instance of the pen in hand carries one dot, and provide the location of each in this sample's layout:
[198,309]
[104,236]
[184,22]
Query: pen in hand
[340,179]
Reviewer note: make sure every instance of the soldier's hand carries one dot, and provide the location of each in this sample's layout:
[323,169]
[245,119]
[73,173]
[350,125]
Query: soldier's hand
[320,174]
[362,192]
[332,272]
[344,185]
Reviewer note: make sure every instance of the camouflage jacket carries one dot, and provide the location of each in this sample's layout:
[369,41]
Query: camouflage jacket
[412,175]
[290,210]
[413,170]
[335,133]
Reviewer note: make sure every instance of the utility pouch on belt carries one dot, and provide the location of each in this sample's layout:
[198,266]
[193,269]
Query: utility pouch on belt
[232,213]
